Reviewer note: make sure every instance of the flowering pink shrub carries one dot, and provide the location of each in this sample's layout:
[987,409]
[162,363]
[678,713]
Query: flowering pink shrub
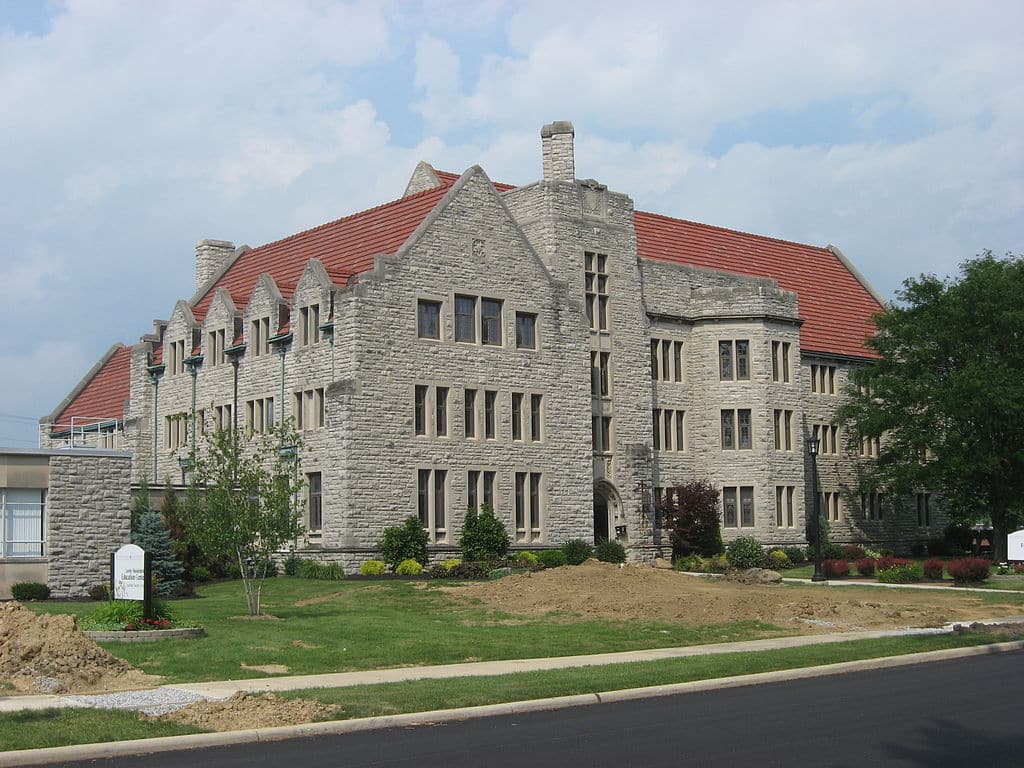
[968,569]
[835,569]
[933,568]
[866,566]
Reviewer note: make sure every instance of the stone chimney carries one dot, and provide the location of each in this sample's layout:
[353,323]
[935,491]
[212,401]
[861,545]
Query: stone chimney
[556,146]
[211,257]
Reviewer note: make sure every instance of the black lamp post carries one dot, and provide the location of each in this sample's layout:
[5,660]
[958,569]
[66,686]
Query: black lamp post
[814,524]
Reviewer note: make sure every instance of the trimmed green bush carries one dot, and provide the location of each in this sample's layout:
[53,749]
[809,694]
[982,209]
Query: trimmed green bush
[577,551]
[407,541]
[118,614]
[779,560]
[409,567]
[450,563]
[525,560]
[715,564]
[314,569]
[796,555]
[745,552]
[372,568]
[904,572]
[202,573]
[552,558]
[24,591]
[439,572]
[291,565]
[693,563]
[469,571]
[611,551]
[484,536]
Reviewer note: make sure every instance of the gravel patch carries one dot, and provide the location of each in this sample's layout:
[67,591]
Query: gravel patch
[159,701]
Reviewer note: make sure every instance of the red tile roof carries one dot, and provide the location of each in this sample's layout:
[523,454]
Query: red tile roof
[837,309]
[104,395]
[346,247]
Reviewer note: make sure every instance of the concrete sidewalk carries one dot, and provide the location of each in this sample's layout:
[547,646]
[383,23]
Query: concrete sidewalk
[226,688]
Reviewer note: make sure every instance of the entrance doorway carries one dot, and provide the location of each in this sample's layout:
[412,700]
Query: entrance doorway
[606,511]
[600,517]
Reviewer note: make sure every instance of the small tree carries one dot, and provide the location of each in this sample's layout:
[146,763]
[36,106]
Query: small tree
[241,503]
[407,541]
[689,512]
[150,533]
[484,536]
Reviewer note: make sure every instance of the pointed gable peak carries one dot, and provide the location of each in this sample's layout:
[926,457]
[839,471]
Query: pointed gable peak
[423,177]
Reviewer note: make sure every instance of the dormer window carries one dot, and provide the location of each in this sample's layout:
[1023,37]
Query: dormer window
[259,335]
[215,345]
[176,357]
[309,325]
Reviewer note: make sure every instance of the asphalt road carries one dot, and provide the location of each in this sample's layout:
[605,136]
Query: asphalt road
[956,713]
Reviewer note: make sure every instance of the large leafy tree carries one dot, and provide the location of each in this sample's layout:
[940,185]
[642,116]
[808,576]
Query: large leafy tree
[242,503]
[947,394]
[689,512]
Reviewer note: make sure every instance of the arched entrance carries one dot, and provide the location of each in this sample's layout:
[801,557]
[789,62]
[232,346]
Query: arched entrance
[606,511]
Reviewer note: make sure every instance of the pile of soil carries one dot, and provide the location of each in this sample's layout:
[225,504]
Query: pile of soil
[245,710]
[603,590]
[50,654]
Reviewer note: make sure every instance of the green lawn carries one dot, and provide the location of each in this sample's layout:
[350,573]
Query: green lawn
[31,730]
[319,626]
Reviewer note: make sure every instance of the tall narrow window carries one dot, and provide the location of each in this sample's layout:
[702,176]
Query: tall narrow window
[734,360]
[420,410]
[924,510]
[259,336]
[536,408]
[680,430]
[729,430]
[465,318]
[729,518]
[423,496]
[666,360]
[469,412]
[490,322]
[489,489]
[783,430]
[309,325]
[313,500]
[472,494]
[780,361]
[677,360]
[520,504]
[428,319]
[441,411]
[596,288]
[517,415]
[655,355]
[440,504]
[528,506]
[747,506]
[600,376]
[534,505]
[490,417]
[526,330]
[725,367]
[745,439]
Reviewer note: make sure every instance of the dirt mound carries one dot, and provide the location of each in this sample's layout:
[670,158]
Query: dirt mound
[246,710]
[49,654]
[604,590]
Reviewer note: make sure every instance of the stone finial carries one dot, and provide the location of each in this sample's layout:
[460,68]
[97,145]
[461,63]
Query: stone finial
[211,256]
[557,150]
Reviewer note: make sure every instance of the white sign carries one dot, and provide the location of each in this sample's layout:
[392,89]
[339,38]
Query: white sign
[130,573]
[1015,546]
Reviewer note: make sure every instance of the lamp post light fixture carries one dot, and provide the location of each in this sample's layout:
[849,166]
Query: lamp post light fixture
[814,525]
[185,462]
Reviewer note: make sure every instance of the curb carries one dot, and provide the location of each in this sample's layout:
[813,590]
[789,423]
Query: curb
[258,735]
[146,635]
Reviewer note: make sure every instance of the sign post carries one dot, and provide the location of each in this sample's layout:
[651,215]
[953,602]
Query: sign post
[131,577]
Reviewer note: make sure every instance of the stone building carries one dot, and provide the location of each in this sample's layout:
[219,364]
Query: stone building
[545,348]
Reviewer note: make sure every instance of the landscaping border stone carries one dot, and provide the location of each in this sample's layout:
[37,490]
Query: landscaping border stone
[147,635]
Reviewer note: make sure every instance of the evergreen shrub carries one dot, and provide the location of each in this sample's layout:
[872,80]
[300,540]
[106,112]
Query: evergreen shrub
[484,537]
[745,552]
[611,551]
[577,551]
[552,558]
[779,560]
[24,591]
[409,567]
[407,541]
[372,568]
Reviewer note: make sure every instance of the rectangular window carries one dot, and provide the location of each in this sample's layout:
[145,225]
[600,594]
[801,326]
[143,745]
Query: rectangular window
[423,496]
[490,322]
[734,360]
[528,506]
[746,506]
[827,436]
[666,360]
[469,412]
[428,319]
[472,492]
[730,519]
[259,415]
[600,375]
[176,430]
[745,440]
[924,509]
[656,413]
[526,330]
[309,409]
[22,522]
[655,361]
[465,318]
[669,429]
[489,489]
[738,506]
[420,410]
[215,347]
[729,430]
[431,502]
[259,336]
[680,422]
[517,415]
[831,506]
[480,488]
[870,447]
[441,411]
[536,410]
[823,379]
[737,431]
[871,505]
[490,415]
[596,289]
[677,360]
[783,428]
[780,362]
[601,439]
[314,500]
[309,325]
[440,504]
[222,417]
[176,357]
[784,517]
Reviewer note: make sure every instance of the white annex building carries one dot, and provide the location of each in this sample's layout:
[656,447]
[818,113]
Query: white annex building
[546,349]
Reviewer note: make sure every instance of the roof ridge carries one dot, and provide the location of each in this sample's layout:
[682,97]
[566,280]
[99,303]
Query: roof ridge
[824,249]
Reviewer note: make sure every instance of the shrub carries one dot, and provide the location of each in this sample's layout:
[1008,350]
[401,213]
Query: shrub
[24,591]
[150,533]
[450,563]
[611,551]
[745,552]
[885,562]
[932,568]
[853,551]
[436,572]
[903,572]
[689,512]
[874,554]
[779,560]
[484,536]
[830,551]
[372,568]
[99,592]
[525,560]
[693,563]
[937,546]
[233,570]
[917,548]
[314,569]
[202,573]
[835,569]
[958,538]
[716,564]
[968,570]
[866,566]
[796,555]
[291,565]
[119,614]
[409,567]
[469,571]
[552,558]
[577,551]
[407,541]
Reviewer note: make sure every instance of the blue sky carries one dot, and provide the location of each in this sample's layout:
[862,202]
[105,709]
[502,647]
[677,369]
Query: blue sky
[133,129]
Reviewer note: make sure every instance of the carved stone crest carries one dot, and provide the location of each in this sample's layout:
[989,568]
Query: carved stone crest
[479,248]
[595,200]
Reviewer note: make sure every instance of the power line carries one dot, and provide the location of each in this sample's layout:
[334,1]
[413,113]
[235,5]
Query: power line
[15,417]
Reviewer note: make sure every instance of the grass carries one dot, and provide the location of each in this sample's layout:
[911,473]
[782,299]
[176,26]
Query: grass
[60,727]
[316,626]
